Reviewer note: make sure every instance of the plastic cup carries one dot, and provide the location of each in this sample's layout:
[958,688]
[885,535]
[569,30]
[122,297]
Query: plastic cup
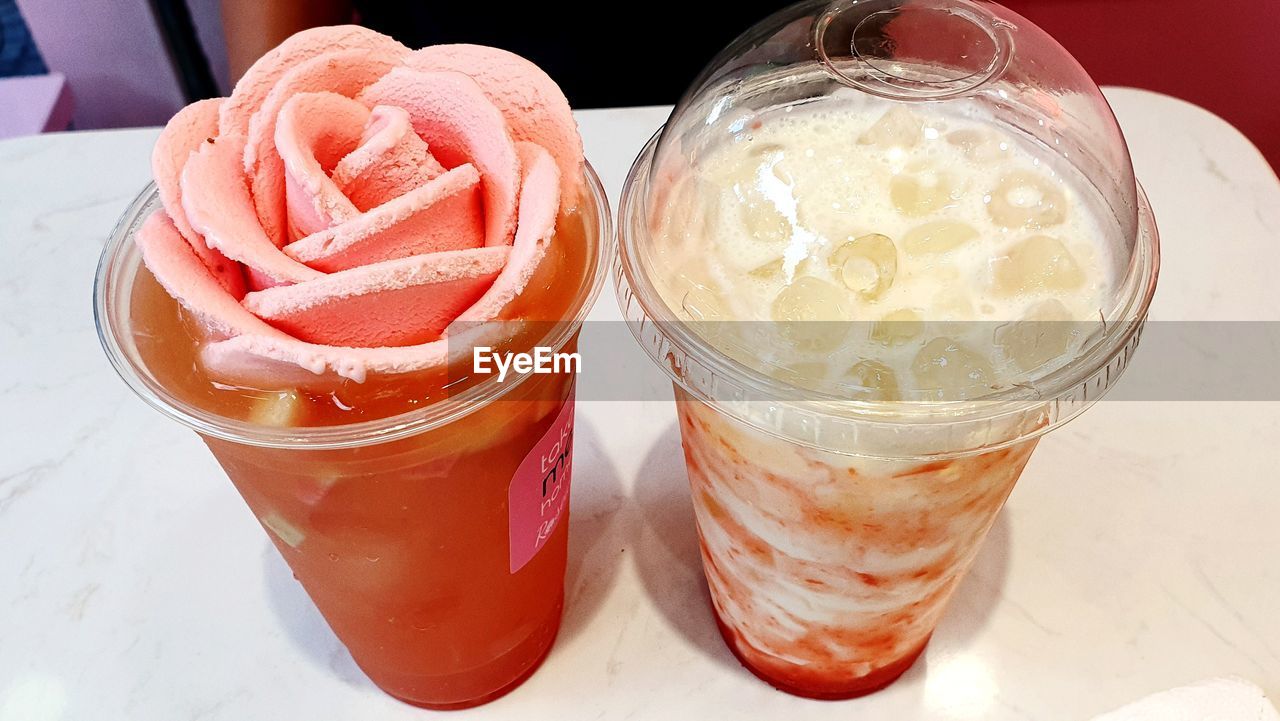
[433,542]
[833,533]
[834,530]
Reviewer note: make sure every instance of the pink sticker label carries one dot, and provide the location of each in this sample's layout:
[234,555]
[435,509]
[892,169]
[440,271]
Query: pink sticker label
[539,494]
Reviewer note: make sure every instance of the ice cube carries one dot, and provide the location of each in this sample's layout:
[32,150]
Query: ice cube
[873,381]
[939,236]
[1044,333]
[812,314]
[897,327]
[702,302]
[277,410]
[1024,199]
[768,271]
[859,273]
[866,265]
[921,193]
[1039,263]
[703,219]
[810,299]
[976,144]
[898,127]
[759,182]
[281,528]
[689,210]
[761,219]
[831,199]
[781,169]
[762,151]
[808,266]
[948,370]
[312,490]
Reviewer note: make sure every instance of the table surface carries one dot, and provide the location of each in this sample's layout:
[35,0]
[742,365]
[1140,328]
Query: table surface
[1139,551]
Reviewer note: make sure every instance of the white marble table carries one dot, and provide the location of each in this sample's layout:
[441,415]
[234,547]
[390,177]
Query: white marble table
[1141,549]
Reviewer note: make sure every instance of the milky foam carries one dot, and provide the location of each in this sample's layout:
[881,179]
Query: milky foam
[749,235]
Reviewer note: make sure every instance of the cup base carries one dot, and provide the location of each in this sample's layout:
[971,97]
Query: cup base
[834,691]
[545,636]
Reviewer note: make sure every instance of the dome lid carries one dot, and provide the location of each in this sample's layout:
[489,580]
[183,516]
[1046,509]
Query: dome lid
[889,227]
[968,56]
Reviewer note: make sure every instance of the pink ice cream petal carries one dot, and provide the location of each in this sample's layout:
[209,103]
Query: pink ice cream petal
[273,364]
[539,206]
[344,72]
[364,234]
[393,303]
[534,106]
[177,268]
[186,132]
[268,191]
[219,207]
[446,213]
[252,89]
[390,159]
[275,361]
[459,123]
[229,274]
[281,362]
[314,132]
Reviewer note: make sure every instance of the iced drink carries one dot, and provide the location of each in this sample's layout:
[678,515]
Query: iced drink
[303,289]
[872,305]
[816,247]
[828,571]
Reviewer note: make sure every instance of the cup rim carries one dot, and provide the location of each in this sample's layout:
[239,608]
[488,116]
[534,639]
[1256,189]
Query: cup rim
[442,412]
[1058,397]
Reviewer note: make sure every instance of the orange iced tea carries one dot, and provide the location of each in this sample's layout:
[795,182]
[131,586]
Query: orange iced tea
[323,250]
[406,545]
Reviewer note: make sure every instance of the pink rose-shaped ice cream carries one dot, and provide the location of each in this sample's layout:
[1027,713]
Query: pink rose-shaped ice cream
[353,198]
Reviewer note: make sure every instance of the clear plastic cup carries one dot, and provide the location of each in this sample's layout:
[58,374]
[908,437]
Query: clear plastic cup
[834,526]
[431,544]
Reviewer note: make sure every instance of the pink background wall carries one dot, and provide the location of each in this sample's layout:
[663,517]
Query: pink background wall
[120,73]
[114,59]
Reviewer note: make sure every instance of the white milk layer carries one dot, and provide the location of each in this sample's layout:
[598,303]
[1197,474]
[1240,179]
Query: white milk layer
[941,228]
